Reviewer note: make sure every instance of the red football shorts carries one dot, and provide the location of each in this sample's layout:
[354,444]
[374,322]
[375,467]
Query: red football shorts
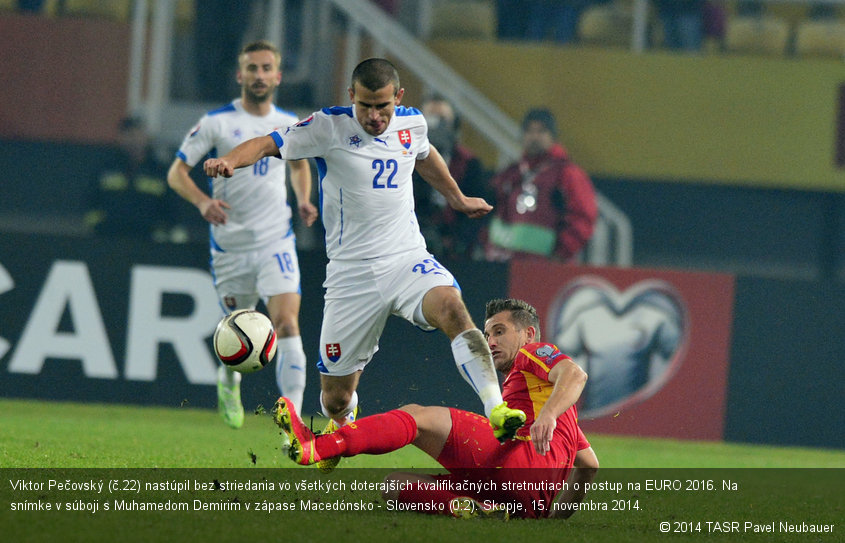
[512,473]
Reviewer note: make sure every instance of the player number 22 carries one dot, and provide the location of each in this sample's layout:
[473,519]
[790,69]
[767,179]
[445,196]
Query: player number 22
[381,167]
[427,266]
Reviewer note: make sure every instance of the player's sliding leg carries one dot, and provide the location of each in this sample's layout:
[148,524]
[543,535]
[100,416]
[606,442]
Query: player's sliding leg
[229,397]
[376,434]
[290,369]
[301,440]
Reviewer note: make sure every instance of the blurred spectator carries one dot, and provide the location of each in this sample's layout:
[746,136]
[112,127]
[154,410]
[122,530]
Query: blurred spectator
[30,6]
[539,20]
[512,19]
[555,19]
[750,8]
[129,197]
[545,204]
[821,11]
[715,21]
[683,23]
[447,232]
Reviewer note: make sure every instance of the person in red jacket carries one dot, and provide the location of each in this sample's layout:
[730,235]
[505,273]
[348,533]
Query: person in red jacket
[545,204]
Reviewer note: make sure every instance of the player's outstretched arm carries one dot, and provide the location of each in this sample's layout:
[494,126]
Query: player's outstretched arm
[584,471]
[569,380]
[435,172]
[245,154]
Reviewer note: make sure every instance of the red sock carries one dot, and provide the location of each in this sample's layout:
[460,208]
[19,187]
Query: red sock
[375,434]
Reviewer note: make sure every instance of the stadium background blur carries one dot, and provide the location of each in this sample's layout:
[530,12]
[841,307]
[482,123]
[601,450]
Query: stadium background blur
[726,162]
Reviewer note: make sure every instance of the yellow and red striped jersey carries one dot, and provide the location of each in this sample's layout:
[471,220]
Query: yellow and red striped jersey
[527,387]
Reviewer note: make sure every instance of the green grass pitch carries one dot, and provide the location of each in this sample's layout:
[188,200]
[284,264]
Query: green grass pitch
[92,442]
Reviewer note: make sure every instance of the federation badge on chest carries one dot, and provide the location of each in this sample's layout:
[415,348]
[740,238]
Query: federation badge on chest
[405,138]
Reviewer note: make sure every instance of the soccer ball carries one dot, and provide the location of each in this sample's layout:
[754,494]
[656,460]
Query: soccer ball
[245,340]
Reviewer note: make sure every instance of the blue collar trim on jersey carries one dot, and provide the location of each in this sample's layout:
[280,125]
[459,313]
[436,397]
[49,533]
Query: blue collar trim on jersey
[338,110]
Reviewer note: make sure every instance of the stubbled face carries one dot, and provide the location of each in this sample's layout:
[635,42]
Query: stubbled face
[374,109]
[258,75]
[505,340]
[536,139]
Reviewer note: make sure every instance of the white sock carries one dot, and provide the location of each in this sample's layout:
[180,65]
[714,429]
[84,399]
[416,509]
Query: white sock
[227,376]
[348,414]
[475,364]
[290,369]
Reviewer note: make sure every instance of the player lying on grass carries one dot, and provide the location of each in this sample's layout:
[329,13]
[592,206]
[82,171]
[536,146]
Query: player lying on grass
[540,380]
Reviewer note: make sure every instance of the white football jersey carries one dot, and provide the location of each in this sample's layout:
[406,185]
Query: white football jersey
[366,191]
[257,194]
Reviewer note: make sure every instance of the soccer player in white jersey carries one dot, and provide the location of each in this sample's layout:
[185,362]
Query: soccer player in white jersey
[253,252]
[378,262]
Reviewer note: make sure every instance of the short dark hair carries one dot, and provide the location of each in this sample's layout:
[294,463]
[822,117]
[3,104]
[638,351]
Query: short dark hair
[374,74]
[262,45]
[523,314]
[542,116]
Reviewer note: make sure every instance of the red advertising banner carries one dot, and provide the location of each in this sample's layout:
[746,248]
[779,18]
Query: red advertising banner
[655,343]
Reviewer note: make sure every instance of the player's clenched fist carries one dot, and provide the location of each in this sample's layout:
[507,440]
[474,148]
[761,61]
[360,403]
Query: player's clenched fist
[473,207]
[218,166]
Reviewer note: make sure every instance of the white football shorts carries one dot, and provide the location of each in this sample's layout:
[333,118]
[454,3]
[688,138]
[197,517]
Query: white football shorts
[361,294]
[242,277]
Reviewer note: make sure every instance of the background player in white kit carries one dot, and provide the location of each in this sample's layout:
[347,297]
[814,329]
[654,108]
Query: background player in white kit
[253,250]
[378,262]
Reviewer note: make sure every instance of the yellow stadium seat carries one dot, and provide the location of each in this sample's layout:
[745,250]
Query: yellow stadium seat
[820,39]
[608,25]
[764,35]
[475,19]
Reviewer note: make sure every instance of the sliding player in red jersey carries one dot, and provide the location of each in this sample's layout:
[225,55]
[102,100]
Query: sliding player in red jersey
[525,477]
